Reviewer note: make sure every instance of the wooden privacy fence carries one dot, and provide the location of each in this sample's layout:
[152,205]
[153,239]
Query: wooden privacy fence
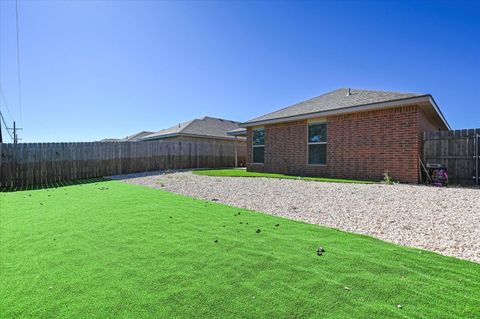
[458,151]
[23,165]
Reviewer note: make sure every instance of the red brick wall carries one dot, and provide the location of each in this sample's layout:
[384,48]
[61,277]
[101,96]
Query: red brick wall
[360,145]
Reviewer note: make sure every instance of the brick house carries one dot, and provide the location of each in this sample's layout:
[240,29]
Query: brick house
[345,133]
[208,130]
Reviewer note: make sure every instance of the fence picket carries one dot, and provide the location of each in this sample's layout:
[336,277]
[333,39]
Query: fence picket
[30,164]
[453,150]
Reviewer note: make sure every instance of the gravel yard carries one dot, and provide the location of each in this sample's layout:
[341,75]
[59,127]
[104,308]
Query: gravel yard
[445,220]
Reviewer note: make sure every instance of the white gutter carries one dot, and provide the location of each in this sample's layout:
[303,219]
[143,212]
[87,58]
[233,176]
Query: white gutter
[156,137]
[160,137]
[351,109]
[237,133]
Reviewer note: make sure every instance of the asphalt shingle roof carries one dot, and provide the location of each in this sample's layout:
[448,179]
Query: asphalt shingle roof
[206,127]
[335,100]
[238,132]
[108,140]
[130,138]
[136,137]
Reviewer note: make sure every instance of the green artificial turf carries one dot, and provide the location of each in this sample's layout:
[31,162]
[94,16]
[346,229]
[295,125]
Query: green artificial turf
[114,250]
[240,172]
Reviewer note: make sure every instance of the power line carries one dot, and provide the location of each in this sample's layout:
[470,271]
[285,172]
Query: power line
[5,102]
[7,129]
[18,63]
[5,124]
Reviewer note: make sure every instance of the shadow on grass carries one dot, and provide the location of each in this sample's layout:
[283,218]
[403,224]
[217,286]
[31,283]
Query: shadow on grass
[5,189]
[159,172]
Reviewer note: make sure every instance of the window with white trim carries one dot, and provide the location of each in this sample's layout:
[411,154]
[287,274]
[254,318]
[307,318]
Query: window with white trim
[317,143]
[258,145]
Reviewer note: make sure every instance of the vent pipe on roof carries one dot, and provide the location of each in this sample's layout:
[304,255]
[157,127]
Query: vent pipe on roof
[349,93]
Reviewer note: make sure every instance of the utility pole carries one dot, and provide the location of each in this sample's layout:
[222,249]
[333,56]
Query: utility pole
[1,138]
[15,134]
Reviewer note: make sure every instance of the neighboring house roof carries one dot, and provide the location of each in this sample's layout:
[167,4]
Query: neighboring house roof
[207,127]
[136,137]
[106,140]
[241,131]
[344,100]
[131,138]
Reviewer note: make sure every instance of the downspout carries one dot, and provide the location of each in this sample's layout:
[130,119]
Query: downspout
[236,154]
[477,157]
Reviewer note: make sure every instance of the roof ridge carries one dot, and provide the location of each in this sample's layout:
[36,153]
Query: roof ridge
[306,100]
[129,136]
[217,118]
[336,100]
[187,125]
[381,91]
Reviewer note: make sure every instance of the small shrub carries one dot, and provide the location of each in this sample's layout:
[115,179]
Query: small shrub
[387,179]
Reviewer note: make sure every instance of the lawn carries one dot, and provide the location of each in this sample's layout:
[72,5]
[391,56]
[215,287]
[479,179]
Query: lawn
[240,172]
[115,250]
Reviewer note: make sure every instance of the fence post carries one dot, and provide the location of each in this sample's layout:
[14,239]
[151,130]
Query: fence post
[477,157]
[32,164]
[1,172]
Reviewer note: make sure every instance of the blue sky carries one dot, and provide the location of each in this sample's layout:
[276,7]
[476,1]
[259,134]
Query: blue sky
[92,69]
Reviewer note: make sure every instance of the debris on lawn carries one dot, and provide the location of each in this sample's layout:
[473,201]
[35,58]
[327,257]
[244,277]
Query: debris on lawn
[320,251]
[346,288]
[258,230]
[399,306]
[433,222]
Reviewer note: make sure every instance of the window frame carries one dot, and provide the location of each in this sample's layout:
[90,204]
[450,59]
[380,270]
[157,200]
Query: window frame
[316,143]
[262,145]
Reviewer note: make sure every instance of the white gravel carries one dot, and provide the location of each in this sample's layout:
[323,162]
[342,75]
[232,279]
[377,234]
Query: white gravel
[445,220]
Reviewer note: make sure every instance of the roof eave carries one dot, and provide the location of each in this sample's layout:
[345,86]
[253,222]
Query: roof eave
[148,137]
[358,108]
[238,133]
[439,112]
[158,137]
